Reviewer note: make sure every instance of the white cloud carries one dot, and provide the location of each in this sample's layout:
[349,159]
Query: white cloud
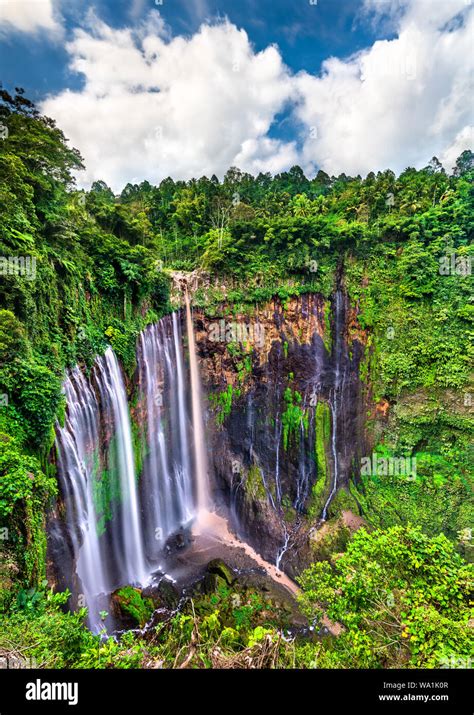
[28,16]
[153,106]
[463,140]
[397,103]
[424,13]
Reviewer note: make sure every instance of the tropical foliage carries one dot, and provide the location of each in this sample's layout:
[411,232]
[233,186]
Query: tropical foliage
[83,269]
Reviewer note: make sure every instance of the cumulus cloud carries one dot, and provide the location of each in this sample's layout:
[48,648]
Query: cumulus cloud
[424,13]
[29,16]
[153,105]
[463,140]
[399,102]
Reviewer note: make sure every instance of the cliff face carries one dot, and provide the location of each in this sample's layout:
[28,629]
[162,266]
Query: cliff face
[286,415]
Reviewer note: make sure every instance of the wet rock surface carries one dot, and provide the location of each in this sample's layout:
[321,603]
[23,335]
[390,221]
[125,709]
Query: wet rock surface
[265,467]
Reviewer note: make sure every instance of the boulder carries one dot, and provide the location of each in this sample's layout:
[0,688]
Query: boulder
[220,568]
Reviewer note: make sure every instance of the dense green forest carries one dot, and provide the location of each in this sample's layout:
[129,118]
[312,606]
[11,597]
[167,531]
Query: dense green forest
[97,269]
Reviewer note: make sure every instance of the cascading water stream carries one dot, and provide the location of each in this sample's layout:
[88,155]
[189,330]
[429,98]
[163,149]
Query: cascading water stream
[202,485]
[284,547]
[335,457]
[278,433]
[99,486]
[134,568]
[116,529]
[166,480]
[77,444]
[334,402]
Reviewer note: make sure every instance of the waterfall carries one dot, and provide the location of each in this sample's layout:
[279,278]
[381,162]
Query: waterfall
[99,486]
[334,400]
[335,458]
[166,481]
[133,567]
[284,548]
[278,431]
[77,443]
[198,426]
[125,495]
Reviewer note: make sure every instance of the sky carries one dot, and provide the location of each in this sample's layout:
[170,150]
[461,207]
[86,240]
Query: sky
[147,89]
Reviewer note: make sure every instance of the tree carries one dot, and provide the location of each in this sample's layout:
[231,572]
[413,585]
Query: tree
[435,167]
[189,211]
[401,597]
[40,145]
[103,192]
[464,163]
[220,213]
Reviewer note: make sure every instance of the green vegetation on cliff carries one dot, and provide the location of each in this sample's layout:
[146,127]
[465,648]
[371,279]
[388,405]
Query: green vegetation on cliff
[402,599]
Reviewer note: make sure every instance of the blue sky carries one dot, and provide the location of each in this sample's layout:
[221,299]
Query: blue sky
[306,34]
[190,87]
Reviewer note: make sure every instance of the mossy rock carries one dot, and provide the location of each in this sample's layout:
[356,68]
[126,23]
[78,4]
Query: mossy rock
[165,594]
[168,593]
[210,583]
[131,607]
[254,486]
[220,568]
[331,539]
[344,500]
